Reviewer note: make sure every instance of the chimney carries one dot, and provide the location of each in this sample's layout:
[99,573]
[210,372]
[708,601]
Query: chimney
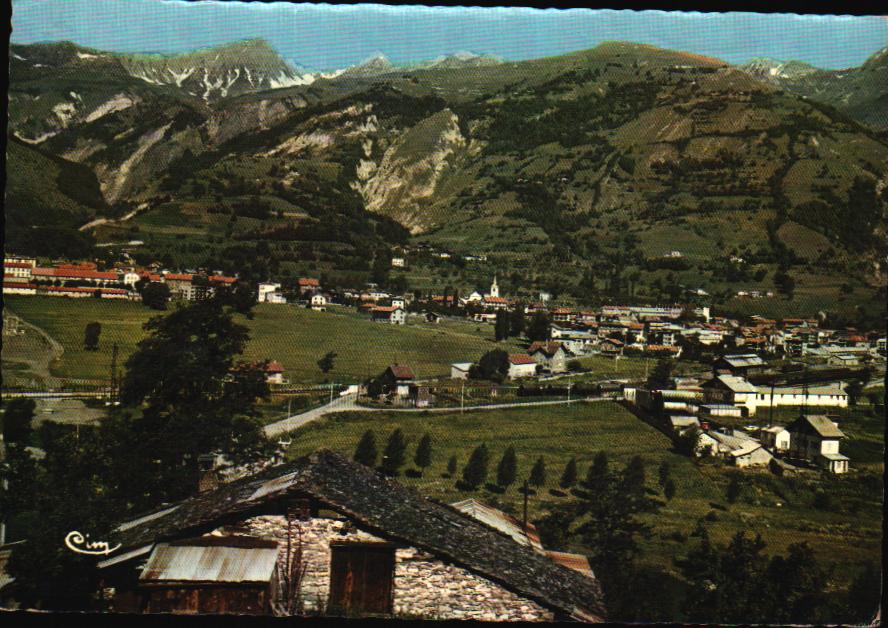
[208,476]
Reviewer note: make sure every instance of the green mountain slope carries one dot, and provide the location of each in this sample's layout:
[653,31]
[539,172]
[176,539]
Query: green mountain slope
[576,173]
[46,199]
[861,93]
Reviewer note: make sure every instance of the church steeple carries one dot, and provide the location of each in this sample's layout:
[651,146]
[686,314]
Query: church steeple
[494,288]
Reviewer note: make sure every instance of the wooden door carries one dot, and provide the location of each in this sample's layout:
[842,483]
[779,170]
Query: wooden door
[361,579]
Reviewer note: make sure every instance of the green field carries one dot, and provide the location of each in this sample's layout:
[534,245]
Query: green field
[295,337]
[65,319]
[581,431]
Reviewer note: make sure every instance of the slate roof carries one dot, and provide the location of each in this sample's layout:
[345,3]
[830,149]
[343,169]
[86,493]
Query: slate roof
[387,509]
[743,361]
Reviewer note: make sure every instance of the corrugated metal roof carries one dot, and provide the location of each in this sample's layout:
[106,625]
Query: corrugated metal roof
[149,517]
[210,563]
[739,361]
[821,424]
[737,384]
[273,485]
[577,562]
[499,520]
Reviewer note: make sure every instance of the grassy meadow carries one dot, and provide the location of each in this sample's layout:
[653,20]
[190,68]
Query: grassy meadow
[295,337]
[778,508]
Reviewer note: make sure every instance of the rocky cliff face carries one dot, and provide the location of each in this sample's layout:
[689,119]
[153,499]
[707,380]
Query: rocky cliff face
[410,170]
[238,68]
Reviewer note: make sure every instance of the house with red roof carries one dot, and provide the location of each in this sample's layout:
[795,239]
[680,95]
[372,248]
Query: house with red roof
[495,303]
[274,372]
[307,285]
[389,314]
[521,365]
[15,270]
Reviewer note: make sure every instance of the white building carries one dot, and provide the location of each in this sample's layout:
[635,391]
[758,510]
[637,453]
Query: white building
[460,370]
[18,269]
[318,302]
[265,290]
[521,365]
[737,391]
[494,289]
[398,262]
[775,437]
[130,277]
[816,438]
[393,315]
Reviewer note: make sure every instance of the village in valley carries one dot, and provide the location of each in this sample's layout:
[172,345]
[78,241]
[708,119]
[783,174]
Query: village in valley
[757,364]
[784,398]
[588,331]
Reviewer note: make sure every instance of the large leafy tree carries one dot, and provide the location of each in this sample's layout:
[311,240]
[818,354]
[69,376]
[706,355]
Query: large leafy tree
[493,365]
[737,583]
[611,528]
[186,395]
[16,420]
[91,334]
[50,498]
[502,326]
[539,327]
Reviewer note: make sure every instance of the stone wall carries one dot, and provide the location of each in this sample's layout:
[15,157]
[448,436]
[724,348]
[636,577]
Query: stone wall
[424,586]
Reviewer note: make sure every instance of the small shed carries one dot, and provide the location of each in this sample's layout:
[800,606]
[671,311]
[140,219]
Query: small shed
[210,574]
[460,370]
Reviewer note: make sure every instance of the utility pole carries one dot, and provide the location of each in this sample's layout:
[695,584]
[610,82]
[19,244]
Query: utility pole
[114,373]
[526,490]
[462,397]
[331,392]
[805,391]
[771,413]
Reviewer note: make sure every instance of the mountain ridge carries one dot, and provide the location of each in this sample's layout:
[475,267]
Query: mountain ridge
[581,159]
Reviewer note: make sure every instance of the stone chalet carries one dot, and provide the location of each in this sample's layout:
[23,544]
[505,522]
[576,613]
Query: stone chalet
[355,543]
[549,355]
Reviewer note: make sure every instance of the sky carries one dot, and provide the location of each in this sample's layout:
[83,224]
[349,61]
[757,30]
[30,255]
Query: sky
[327,37]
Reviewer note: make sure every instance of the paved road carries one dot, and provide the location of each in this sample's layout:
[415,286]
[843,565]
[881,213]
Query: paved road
[347,403]
[340,404]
